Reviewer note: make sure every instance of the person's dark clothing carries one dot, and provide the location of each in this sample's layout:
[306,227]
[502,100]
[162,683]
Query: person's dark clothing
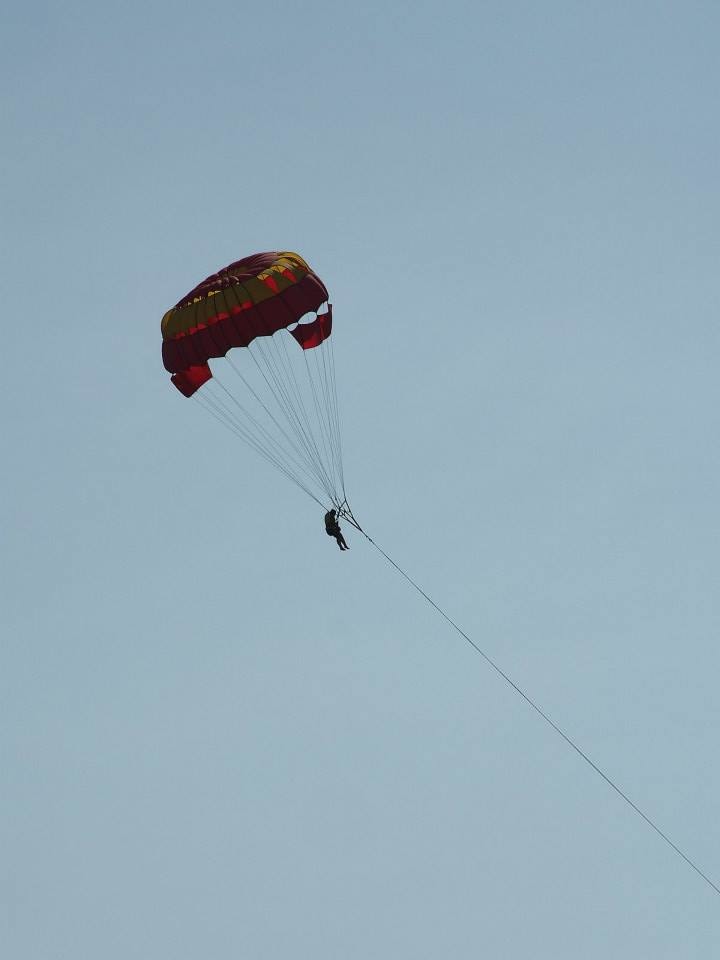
[332,528]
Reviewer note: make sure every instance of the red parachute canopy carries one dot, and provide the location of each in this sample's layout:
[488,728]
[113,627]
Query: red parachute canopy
[254,297]
[280,401]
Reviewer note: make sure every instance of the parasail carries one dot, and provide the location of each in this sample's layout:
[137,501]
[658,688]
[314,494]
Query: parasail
[252,345]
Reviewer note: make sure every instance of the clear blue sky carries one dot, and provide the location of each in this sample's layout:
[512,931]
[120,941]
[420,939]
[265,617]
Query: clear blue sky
[221,737]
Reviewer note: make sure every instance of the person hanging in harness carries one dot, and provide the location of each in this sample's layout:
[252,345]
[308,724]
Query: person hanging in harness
[332,529]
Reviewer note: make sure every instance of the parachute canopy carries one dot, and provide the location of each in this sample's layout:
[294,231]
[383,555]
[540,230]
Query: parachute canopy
[279,400]
[253,297]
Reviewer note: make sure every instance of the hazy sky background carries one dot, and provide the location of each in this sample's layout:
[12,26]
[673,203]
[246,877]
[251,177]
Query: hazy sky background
[220,736]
